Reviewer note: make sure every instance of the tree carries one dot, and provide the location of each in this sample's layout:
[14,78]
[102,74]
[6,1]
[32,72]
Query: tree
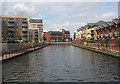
[19,37]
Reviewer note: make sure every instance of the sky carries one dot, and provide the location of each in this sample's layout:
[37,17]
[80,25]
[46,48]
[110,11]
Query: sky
[67,15]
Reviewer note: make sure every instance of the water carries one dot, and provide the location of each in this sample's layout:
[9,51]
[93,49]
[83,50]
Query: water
[62,63]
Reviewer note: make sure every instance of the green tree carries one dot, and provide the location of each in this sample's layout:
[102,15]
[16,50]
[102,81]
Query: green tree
[19,37]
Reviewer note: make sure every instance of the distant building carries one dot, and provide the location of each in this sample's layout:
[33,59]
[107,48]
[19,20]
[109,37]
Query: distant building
[14,28]
[46,36]
[78,34]
[66,36]
[74,36]
[36,30]
[84,32]
[57,36]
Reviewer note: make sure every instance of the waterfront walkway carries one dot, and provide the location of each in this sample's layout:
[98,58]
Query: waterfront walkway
[19,52]
[104,51]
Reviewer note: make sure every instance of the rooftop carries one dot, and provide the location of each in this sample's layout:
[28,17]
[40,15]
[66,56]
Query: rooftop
[116,21]
[36,21]
[92,24]
[110,23]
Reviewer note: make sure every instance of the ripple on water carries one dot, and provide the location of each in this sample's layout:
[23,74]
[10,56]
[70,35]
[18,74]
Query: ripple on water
[62,63]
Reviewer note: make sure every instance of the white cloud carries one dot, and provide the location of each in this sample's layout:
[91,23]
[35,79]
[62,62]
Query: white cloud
[20,9]
[71,26]
[107,16]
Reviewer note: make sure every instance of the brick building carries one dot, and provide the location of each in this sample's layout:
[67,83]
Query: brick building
[46,36]
[14,28]
[104,33]
[57,36]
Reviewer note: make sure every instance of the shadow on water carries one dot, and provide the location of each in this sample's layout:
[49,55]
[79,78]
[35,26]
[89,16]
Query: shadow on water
[62,63]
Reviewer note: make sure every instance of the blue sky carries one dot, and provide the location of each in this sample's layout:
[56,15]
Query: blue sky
[71,15]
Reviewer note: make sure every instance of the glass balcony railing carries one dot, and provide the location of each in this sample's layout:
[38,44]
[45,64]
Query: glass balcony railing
[110,35]
[11,29]
[11,25]
[24,20]
[10,20]
[116,34]
[25,29]
[92,33]
[101,35]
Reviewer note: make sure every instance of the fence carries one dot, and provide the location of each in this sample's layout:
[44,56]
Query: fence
[12,49]
[112,44]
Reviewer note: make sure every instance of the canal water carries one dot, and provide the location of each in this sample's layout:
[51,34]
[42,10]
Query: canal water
[62,63]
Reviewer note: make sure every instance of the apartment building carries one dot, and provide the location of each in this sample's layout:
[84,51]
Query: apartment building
[14,28]
[33,35]
[57,36]
[90,31]
[79,33]
[66,35]
[36,30]
[109,29]
[84,31]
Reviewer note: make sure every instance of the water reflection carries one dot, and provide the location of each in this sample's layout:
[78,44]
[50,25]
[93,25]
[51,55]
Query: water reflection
[62,63]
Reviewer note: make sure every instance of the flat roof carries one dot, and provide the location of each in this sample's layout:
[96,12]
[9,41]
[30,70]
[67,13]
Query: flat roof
[36,21]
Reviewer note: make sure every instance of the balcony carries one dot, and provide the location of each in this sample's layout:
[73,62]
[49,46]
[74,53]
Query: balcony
[25,25]
[11,34]
[10,39]
[36,34]
[106,35]
[101,35]
[98,36]
[25,29]
[116,34]
[88,33]
[11,29]
[92,38]
[36,37]
[24,21]
[25,39]
[25,35]
[92,33]
[11,25]
[11,20]
[110,35]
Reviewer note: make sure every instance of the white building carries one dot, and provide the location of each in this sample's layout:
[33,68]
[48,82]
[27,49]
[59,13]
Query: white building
[37,26]
[78,34]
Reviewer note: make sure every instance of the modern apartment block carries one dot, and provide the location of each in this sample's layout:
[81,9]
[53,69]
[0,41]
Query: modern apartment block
[14,28]
[36,30]
[33,35]
[57,36]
